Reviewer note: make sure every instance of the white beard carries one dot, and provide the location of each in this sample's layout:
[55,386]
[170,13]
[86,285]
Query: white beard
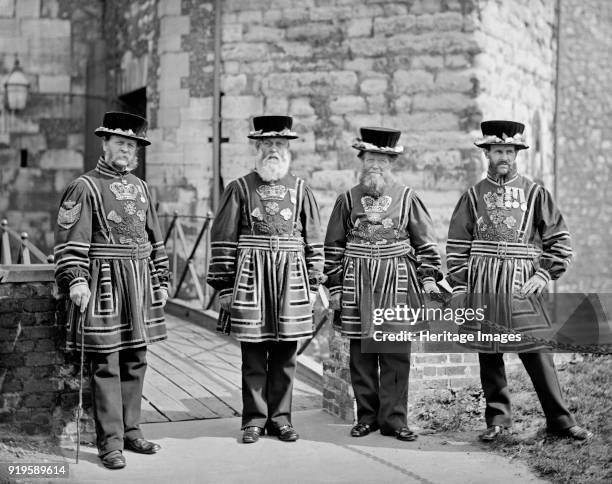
[374,183]
[272,169]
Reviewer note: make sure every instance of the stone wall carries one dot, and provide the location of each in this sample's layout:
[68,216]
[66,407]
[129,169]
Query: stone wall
[584,171]
[38,380]
[336,66]
[427,67]
[515,73]
[52,39]
[163,47]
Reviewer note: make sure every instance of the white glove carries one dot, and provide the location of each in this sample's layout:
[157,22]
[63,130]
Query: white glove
[164,295]
[80,294]
[225,302]
[430,286]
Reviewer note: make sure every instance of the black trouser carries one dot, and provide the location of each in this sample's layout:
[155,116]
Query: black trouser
[116,387]
[268,370]
[381,401]
[541,370]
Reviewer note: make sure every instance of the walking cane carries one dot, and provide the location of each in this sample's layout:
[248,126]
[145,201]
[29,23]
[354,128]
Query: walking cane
[81,324]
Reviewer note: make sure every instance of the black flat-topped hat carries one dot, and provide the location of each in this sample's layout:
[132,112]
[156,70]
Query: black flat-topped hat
[272,127]
[379,140]
[500,132]
[127,125]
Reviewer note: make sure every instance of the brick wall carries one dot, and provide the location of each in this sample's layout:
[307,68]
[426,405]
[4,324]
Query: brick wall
[38,380]
[428,372]
[51,38]
[584,171]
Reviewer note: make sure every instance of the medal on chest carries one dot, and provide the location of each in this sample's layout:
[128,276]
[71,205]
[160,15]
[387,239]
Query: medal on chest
[502,222]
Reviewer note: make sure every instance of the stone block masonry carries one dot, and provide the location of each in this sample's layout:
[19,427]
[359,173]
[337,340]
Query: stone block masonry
[333,65]
[584,171]
[45,145]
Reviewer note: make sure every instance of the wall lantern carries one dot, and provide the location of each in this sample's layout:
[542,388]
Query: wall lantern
[16,86]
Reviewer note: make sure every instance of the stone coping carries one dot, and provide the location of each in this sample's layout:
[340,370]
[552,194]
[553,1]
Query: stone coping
[27,273]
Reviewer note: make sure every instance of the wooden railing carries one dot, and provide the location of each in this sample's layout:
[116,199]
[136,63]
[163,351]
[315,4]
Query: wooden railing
[26,252]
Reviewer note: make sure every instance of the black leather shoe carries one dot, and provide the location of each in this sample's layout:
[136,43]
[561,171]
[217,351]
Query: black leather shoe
[361,430]
[405,434]
[492,433]
[113,460]
[575,432]
[142,446]
[251,434]
[286,433]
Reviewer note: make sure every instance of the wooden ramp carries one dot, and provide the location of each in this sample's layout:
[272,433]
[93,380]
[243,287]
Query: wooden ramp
[195,374]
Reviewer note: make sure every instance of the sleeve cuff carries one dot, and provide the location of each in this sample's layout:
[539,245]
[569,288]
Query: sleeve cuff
[459,289]
[76,281]
[544,274]
[226,292]
[335,290]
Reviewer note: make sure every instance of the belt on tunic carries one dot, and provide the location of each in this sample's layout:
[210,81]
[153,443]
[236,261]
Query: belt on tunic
[504,250]
[272,243]
[373,251]
[378,251]
[120,251]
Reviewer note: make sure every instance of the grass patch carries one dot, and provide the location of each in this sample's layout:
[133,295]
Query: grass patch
[587,387]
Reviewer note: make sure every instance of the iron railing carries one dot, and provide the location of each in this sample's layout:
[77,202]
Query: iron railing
[175,234]
[27,250]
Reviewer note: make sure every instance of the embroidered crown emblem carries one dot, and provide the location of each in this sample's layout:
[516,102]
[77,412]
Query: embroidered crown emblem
[376,205]
[271,192]
[124,192]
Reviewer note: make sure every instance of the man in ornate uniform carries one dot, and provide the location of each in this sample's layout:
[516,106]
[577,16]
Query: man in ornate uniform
[380,252]
[507,239]
[109,249]
[267,263]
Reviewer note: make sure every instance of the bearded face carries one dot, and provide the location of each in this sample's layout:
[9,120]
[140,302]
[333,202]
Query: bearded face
[375,173]
[502,160]
[273,159]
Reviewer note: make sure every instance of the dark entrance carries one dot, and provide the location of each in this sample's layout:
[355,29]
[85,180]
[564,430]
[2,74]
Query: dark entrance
[135,102]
